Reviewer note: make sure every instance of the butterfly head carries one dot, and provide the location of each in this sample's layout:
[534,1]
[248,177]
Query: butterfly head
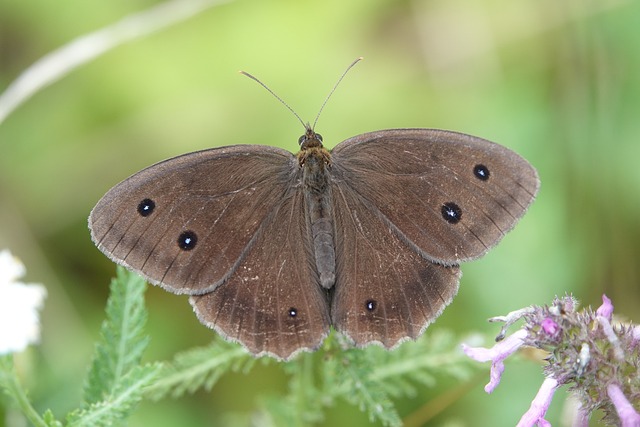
[310,139]
[311,147]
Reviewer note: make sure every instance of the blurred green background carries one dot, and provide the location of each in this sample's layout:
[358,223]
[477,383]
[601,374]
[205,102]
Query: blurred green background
[556,81]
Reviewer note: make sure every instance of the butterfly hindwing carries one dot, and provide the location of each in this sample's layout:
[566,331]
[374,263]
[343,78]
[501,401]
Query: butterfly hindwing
[385,291]
[273,302]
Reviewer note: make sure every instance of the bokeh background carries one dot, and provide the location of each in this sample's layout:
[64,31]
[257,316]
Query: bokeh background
[556,81]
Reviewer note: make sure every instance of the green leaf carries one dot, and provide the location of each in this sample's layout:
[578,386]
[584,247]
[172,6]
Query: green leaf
[50,419]
[368,378]
[419,361]
[10,384]
[119,403]
[122,337]
[362,390]
[304,395]
[303,405]
[199,368]
[116,379]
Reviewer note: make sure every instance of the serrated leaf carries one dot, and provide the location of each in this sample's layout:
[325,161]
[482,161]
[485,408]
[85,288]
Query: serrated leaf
[369,395]
[305,399]
[369,378]
[50,420]
[118,404]
[277,412]
[199,368]
[122,337]
[400,387]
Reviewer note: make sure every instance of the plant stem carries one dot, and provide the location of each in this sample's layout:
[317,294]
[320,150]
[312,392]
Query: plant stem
[9,381]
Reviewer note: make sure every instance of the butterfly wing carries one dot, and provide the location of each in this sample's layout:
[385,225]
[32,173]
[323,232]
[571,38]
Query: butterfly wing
[186,223]
[449,196]
[385,291]
[288,315]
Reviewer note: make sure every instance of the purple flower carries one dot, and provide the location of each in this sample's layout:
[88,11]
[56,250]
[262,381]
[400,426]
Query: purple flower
[496,355]
[606,309]
[628,415]
[550,327]
[604,313]
[598,359]
[581,417]
[539,405]
[635,336]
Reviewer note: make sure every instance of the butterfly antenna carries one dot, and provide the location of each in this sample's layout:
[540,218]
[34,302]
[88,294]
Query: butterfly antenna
[334,89]
[276,96]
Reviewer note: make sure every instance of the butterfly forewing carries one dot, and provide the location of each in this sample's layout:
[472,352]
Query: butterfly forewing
[187,222]
[273,302]
[385,291]
[450,196]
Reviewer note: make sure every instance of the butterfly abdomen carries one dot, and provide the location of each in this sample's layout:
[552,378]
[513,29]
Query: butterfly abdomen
[319,213]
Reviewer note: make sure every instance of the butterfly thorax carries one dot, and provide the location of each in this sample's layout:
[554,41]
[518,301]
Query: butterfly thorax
[315,164]
[315,160]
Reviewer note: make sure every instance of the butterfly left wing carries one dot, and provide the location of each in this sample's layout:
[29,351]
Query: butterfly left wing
[273,303]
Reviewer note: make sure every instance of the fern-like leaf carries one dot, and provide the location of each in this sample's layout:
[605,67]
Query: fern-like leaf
[371,377]
[50,420]
[419,362]
[368,378]
[304,403]
[122,338]
[362,389]
[118,404]
[199,368]
[304,393]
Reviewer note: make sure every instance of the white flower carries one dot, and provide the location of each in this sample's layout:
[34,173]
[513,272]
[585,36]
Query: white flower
[19,305]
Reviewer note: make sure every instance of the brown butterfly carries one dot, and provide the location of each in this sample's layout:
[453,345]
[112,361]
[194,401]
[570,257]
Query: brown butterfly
[276,248]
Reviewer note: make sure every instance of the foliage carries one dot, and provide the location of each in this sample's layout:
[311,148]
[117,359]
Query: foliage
[116,378]
[367,378]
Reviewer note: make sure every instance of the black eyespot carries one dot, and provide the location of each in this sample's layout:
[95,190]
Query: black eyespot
[146,207]
[187,240]
[481,172]
[451,213]
[370,305]
[319,137]
[293,312]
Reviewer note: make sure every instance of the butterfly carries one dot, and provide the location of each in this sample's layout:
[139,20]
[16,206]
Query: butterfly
[274,249]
